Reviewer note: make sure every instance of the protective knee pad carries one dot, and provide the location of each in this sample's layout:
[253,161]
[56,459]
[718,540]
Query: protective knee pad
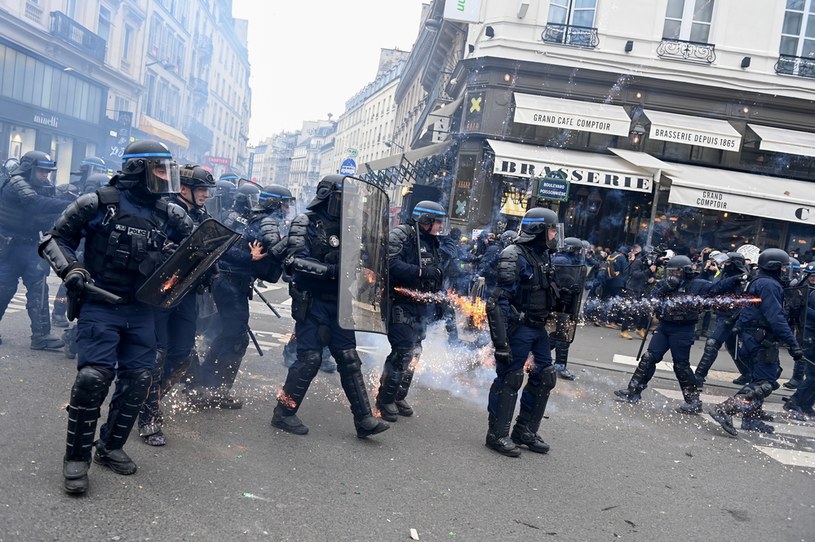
[512,381]
[348,361]
[400,358]
[308,362]
[91,386]
[757,391]
[548,377]
[712,343]
[136,382]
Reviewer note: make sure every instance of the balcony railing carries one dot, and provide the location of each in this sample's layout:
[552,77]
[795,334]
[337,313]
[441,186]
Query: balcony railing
[199,87]
[689,51]
[77,35]
[198,133]
[574,36]
[204,46]
[795,65]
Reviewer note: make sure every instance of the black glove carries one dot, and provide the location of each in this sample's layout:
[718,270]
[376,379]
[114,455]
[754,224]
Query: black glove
[796,352]
[503,355]
[432,278]
[76,279]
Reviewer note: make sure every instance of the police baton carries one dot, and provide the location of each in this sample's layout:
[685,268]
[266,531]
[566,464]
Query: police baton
[644,338]
[254,340]
[260,295]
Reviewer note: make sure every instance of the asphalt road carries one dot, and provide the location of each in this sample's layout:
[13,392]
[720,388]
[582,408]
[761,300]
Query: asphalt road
[615,472]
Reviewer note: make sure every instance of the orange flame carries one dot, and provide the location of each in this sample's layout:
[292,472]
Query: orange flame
[170,283]
[474,309]
[286,400]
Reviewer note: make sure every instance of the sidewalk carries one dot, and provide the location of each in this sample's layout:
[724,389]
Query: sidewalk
[603,348]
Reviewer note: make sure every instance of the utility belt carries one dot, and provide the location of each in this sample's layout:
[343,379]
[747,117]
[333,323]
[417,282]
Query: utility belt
[763,336]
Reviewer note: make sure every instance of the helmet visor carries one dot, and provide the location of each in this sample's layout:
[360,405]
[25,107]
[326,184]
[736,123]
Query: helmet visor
[675,272]
[162,176]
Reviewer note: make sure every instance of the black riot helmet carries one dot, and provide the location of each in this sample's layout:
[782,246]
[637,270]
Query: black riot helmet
[148,166]
[536,224]
[329,192]
[246,197]
[678,269]
[194,177]
[225,190]
[91,165]
[274,197]
[8,166]
[31,161]
[509,237]
[775,262]
[94,182]
[572,245]
[427,213]
[808,270]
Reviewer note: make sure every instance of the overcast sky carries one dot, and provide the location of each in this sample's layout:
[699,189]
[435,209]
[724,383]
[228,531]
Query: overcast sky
[309,56]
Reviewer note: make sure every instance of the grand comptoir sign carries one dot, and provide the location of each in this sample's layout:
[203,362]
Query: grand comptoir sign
[577,175]
[777,209]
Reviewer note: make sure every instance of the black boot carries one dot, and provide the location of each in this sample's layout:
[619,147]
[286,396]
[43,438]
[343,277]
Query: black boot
[297,383]
[69,338]
[639,380]
[88,393]
[150,418]
[708,357]
[350,368]
[561,359]
[503,396]
[751,417]
[692,404]
[797,375]
[533,405]
[131,389]
[723,414]
[393,371]
[58,318]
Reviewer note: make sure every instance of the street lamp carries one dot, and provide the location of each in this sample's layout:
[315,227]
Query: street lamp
[166,64]
[388,143]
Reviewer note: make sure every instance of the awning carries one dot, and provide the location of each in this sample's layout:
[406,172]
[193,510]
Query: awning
[744,193]
[442,112]
[786,141]
[571,114]
[163,131]
[411,156]
[699,131]
[643,160]
[584,168]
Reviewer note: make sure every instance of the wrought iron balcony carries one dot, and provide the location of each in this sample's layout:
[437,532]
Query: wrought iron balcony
[574,36]
[204,46]
[689,51]
[795,65]
[77,35]
[199,87]
[198,133]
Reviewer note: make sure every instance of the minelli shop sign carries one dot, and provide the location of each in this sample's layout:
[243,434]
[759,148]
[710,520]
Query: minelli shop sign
[576,175]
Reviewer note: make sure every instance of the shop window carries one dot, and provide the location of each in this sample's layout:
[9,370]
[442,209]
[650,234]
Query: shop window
[688,20]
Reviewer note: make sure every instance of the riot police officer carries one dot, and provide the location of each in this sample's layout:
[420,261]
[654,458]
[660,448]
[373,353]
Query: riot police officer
[245,199]
[28,206]
[762,328]
[175,327]
[221,201]
[250,258]
[800,405]
[414,262]
[313,263]
[126,229]
[674,332]
[90,165]
[734,265]
[517,312]
[571,254]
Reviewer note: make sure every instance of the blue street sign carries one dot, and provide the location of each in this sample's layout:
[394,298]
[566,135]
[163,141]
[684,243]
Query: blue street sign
[348,167]
[554,187]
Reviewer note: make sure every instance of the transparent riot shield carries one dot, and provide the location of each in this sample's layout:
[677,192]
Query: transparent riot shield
[567,286]
[363,276]
[193,257]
